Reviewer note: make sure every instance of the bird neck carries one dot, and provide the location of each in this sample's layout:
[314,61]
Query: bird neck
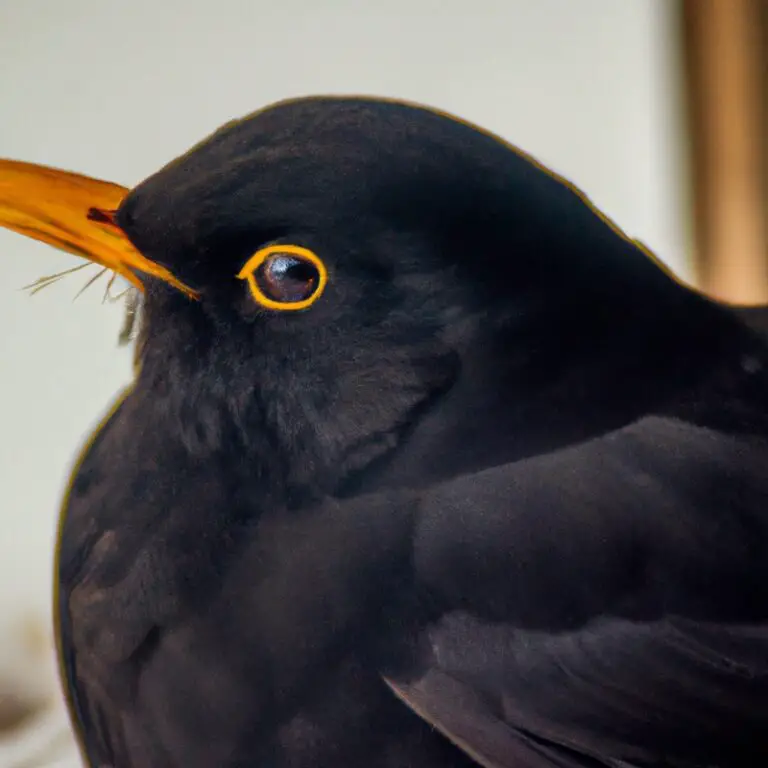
[583,366]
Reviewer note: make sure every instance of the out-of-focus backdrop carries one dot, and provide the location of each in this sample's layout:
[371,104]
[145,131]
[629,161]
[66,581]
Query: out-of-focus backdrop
[656,108]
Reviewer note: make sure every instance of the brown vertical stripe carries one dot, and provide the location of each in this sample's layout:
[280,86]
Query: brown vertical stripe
[725,62]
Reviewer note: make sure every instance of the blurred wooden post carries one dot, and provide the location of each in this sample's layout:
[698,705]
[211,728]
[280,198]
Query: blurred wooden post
[725,61]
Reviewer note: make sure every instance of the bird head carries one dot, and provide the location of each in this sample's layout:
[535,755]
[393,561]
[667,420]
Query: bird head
[327,269]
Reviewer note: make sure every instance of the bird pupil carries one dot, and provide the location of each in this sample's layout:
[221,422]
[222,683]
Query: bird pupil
[288,278]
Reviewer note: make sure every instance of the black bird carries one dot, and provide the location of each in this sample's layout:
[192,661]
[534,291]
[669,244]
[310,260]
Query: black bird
[425,464]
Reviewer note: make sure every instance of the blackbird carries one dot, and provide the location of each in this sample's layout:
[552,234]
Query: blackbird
[425,464]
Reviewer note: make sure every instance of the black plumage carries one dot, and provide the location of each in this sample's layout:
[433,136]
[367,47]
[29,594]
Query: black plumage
[497,496]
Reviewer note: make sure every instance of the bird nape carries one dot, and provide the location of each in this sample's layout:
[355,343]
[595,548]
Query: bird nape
[425,463]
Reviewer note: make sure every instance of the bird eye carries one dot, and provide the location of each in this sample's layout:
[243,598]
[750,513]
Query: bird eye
[285,277]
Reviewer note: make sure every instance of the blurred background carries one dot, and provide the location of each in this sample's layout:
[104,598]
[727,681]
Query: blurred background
[655,108]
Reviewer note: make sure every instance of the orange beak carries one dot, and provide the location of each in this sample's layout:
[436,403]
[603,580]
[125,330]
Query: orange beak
[75,214]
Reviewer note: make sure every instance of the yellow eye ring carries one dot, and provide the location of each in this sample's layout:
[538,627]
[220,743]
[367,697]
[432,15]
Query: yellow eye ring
[259,259]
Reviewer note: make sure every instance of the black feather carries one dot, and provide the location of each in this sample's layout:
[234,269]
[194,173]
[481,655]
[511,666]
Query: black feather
[506,463]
